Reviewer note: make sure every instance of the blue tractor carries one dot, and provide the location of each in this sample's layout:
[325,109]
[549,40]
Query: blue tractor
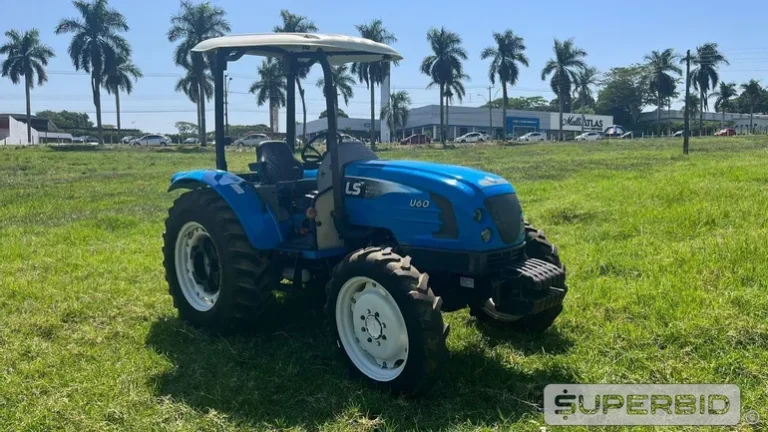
[392,243]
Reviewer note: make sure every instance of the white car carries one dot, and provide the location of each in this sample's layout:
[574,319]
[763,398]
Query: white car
[532,137]
[472,137]
[151,140]
[190,141]
[126,140]
[251,140]
[589,136]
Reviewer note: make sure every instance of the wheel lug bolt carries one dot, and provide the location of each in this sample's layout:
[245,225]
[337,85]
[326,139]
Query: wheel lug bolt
[362,329]
[383,337]
[383,325]
[362,317]
[370,340]
[369,311]
[378,343]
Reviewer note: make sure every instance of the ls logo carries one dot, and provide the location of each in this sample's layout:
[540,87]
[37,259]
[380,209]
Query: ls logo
[354,188]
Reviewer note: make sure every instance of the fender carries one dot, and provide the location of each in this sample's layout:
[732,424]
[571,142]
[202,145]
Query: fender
[258,222]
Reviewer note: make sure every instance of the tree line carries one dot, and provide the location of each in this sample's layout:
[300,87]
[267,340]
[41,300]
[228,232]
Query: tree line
[99,48]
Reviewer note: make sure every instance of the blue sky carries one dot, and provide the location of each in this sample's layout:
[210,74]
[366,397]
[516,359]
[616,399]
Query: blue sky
[613,33]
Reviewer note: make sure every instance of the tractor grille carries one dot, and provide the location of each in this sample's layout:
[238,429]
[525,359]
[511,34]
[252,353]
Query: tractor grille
[506,213]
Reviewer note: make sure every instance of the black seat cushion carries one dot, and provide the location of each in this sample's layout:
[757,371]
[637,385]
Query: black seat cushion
[278,163]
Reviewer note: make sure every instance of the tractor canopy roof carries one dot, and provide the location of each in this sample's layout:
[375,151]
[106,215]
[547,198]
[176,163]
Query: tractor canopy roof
[339,49]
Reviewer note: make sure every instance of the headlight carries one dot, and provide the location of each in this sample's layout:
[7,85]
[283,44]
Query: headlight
[478,216]
[486,235]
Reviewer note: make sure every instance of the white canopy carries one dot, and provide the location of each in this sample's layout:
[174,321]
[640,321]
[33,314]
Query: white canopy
[339,48]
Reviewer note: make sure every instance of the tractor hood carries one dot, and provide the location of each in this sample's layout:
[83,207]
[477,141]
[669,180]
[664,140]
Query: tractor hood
[421,174]
[434,206]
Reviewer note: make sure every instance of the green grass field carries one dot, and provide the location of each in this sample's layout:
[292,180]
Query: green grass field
[667,258]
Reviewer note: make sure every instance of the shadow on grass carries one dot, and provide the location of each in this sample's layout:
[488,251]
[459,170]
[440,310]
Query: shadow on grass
[287,375]
[77,148]
[550,342]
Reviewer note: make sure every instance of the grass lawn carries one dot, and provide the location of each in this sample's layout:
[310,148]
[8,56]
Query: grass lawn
[667,258]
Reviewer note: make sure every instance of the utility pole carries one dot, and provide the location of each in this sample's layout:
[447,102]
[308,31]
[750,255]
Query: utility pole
[686,127]
[490,113]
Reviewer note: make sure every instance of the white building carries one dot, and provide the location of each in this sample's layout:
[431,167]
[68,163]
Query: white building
[13,131]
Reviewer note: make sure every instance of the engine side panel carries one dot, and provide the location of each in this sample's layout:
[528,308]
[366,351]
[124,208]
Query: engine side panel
[257,219]
[428,206]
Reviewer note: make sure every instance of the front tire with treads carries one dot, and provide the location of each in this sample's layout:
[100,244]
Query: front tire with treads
[218,281]
[386,321]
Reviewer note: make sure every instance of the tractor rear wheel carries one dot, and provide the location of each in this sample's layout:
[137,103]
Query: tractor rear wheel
[536,246]
[386,321]
[216,278]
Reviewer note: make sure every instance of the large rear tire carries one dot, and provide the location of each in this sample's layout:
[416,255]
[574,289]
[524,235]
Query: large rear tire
[216,278]
[386,321]
[536,246]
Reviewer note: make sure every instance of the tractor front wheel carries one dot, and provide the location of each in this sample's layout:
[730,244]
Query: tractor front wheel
[536,246]
[386,321]
[216,278]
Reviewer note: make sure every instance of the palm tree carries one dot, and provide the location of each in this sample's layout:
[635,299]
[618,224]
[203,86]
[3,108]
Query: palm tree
[396,112]
[118,78]
[693,103]
[453,87]
[564,68]
[660,81]
[508,52]
[444,64]
[189,85]
[582,86]
[27,57]
[270,87]
[704,74]
[373,73]
[752,93]
[192,25]
[343,82]
[96,44]
[297,24]
[723,96]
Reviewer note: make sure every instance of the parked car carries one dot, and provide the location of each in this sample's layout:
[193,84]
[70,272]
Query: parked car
[126,140]
[151,140]
[417,139]
[726,132]
[192,140]
[472,137]
[589,136]
[614,131]
[680,133]
[532,137]
[628,135]
[251,140]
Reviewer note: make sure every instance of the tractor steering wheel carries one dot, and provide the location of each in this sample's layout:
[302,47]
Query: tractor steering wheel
[312,156]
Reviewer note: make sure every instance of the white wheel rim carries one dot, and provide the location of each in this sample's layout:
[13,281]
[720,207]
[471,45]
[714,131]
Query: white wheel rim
[372,329]
[197,268]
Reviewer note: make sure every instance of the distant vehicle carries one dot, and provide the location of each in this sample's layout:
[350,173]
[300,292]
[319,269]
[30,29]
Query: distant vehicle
[614,131]
[628,135]
[190,141]
[472,137]
[86,140]
[680,133]
[126,140]
[417,139]
[151,140]
[589,136]
[346,137]
[726,132]
[532,137]
[252,140]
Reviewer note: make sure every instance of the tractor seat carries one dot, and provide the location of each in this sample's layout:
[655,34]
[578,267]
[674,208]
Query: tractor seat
[278,163]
